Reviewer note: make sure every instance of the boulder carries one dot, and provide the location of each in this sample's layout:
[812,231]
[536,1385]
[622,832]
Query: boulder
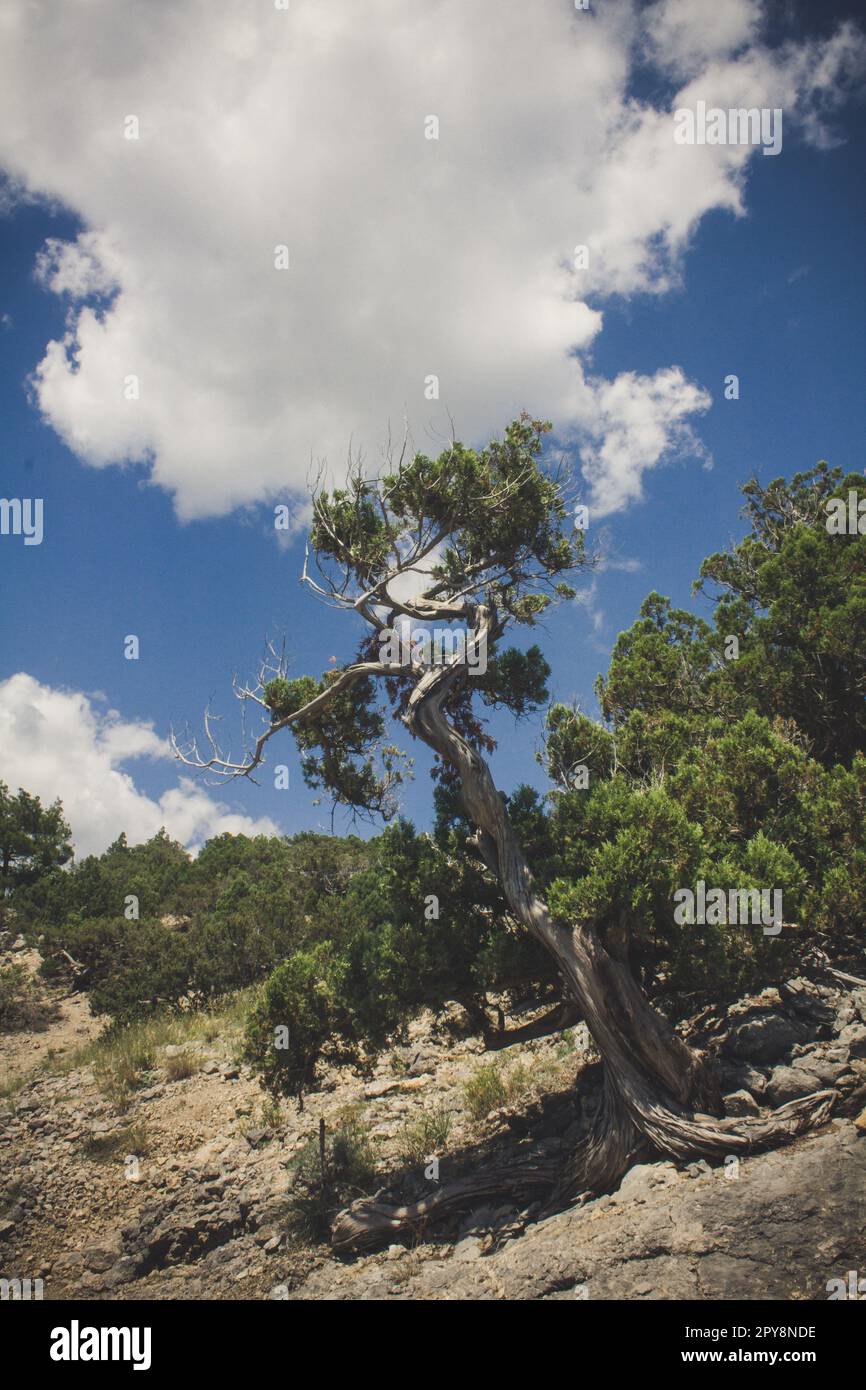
[826,1070]
[99,1258]
[789,1083]
[764,1038]
[641,1178]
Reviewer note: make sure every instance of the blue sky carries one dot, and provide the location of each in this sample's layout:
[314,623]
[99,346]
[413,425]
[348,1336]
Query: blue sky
[775,295]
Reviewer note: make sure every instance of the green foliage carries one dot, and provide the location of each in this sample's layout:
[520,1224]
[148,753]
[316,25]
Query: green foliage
[350,938]
[485,1091]
[99,885]
[743,772]
[495,1084]
[293,1019]
[496,520]
[416,927]
[424,1135]
[517,680]
[497,510]
[34,839]
[794,596]
[327,1177]
[209,925]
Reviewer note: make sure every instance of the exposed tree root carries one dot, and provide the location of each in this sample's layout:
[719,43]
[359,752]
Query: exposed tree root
[595,1167]
[367,1224]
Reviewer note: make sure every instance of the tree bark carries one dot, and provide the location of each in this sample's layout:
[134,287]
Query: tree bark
[657,1090]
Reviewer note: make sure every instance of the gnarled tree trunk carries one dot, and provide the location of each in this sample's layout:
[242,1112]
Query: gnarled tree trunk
[657,1090]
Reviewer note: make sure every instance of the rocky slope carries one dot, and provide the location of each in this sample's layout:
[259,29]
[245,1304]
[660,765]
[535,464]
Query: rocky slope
[183,1190]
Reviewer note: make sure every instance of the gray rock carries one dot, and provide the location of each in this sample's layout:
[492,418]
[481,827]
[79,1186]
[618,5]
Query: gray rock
[98,1258]
[789,1083]
[740,1076]
[858,1000]
[700,1169]
[123,1271]
[423,1062]
[853,1036]
[807,1001]
[640,1179]
[740,1103]
[765,1037]
[255,1137]
[825,1069]
[468,1249]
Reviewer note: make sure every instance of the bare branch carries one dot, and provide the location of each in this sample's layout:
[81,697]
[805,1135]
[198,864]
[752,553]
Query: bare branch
[223,767]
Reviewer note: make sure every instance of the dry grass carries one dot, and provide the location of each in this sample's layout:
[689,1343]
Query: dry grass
[126,1057]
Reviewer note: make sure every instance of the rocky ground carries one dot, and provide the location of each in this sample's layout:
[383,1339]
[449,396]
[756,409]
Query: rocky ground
[181,1187]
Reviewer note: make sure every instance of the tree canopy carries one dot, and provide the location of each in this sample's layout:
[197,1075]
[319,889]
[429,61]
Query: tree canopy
[34,839]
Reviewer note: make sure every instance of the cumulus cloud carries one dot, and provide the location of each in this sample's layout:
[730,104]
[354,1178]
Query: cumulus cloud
[82,268]
[684,34]
[408,258]
[56,743]
[639,420]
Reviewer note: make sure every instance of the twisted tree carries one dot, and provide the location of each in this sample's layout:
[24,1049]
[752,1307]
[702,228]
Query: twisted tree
[473,542]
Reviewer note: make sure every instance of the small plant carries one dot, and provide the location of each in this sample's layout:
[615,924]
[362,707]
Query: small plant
[332,1169]
[485,1091]
[10,1089]
[24,1006]
[131,1139]
[492,1085]
[181,1065]
[272,1114]
[126,1055]
[123,1054]
[210,1027]
[519,1079]
[424,1136]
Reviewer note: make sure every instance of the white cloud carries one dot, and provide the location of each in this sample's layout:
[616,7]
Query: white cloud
[88,266]
[587,598]
[683,34]
[57,744]
[408,257]
[639,420]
